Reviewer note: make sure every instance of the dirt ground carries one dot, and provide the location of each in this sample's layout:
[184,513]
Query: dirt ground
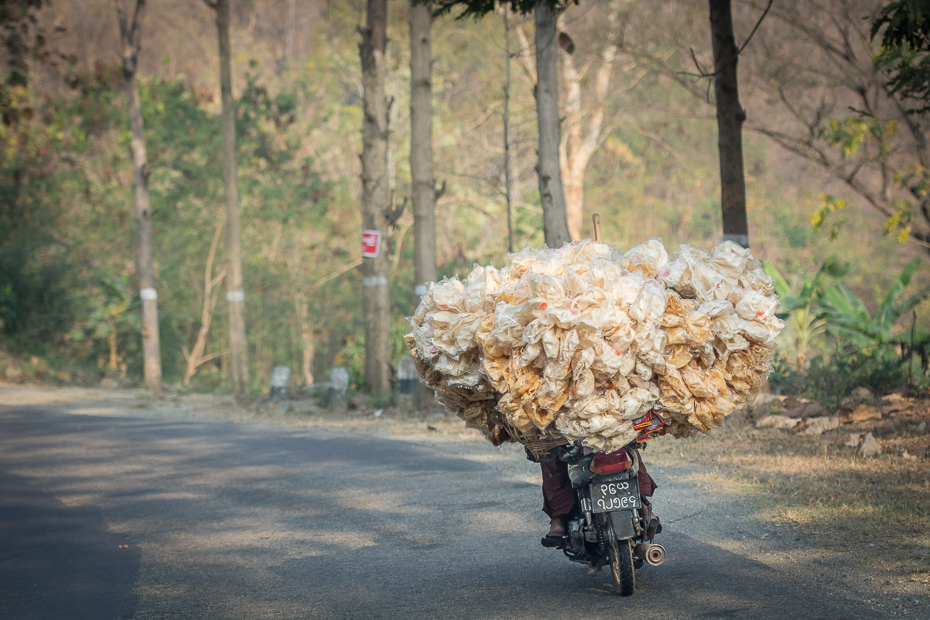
[866,519]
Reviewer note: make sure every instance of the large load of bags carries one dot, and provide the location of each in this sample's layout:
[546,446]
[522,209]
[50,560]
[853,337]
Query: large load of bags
[596,346]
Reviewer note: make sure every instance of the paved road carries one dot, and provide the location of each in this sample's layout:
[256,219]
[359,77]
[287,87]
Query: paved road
[110,517]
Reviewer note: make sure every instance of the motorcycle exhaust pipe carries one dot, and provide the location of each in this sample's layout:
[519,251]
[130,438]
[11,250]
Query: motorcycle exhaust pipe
[651,553]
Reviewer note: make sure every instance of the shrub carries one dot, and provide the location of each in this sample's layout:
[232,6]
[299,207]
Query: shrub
[831,378]
[36,301]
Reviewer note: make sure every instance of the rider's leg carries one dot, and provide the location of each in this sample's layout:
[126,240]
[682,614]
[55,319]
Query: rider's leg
[558,496]
[646,484]
[647,487]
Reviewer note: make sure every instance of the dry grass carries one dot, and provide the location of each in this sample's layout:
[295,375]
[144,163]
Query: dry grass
[831,497]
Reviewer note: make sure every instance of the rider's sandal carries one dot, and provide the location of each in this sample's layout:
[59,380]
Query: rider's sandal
[556,528]
[553,537]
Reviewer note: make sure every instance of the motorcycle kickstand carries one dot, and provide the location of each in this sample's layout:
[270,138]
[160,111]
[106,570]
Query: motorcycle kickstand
[594,569]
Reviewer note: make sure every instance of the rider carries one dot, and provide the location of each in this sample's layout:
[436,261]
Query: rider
[559,498]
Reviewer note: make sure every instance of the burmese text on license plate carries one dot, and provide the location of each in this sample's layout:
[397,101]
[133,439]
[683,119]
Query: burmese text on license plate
[615,495]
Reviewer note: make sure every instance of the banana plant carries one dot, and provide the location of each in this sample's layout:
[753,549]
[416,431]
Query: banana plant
[847,315]
[798,304]
[110,315]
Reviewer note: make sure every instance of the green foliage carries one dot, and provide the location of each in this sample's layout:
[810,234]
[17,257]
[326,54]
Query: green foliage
[854,132]
[905,46]
[479,8]
[352,358]
[810,290]
[67,183]
[871,349]
[796,234]
[849,318]
[172,339]
[36,294]
[851,136]
[352,355]
[24,41]
[110,321]
[7,304]
[799,305]
[832,377]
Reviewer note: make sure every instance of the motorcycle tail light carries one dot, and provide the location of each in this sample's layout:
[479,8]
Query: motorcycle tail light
[606,463]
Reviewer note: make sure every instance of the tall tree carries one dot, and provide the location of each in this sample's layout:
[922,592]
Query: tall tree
[730,117]
[235,296]
[375,199]
[508,163]
[130,39]
[551,194]
[423,192]
[21,38]
[548,170]
[579,143]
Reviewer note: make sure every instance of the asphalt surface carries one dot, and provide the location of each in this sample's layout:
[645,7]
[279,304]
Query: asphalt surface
[111,517]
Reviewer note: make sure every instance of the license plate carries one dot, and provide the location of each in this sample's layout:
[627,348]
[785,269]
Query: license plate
[615,493]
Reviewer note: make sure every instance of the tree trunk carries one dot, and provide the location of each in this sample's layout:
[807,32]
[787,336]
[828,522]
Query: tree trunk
[308,349]
[555,225]
[18,39]
[111,343]
[151,349]
[508,167]
[292,24]
[196,357]
[423,192]
[299,293]
[235,296]
[578,146]
[376,303]
[307,345]
[730,117]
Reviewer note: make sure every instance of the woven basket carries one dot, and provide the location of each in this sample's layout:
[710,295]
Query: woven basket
[538,443]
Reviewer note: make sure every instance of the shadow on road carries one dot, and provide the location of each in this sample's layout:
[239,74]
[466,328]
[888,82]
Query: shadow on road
[60,561]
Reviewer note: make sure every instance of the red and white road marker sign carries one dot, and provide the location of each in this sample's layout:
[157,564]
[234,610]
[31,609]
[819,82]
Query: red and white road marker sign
[371,243]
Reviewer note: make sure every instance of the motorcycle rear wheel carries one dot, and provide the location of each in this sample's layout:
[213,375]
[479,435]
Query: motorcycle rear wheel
[621,563]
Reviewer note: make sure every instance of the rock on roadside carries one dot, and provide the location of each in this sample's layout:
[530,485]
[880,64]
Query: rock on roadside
[870,447]
[777,421]
[818,426]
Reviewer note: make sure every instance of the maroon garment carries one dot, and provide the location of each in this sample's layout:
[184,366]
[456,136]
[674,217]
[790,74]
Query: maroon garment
[647,485]
[558,496]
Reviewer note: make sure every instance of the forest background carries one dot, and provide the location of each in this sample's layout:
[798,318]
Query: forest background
[817,160]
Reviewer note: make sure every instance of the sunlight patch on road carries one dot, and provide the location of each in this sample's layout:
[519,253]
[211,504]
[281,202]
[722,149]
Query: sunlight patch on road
[382,502]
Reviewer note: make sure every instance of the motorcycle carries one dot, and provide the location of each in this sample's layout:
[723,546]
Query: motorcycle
[610,522]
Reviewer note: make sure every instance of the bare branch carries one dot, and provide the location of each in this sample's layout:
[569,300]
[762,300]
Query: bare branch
[661,65]
[218,278]
[814,154]
[834,52]
[701,73]
[195,358]
[134,31]
[525,55]
[440,191]
[336,274]
[756,27]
